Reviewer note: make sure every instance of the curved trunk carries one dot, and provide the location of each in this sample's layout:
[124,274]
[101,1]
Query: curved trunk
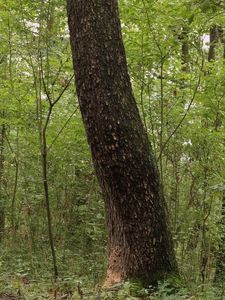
[140,245]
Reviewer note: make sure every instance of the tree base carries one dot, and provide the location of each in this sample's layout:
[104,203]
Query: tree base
[112,279]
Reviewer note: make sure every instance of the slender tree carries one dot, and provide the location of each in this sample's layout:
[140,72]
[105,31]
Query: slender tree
[222,39]
[220,261]
[140,244]
[2,212]
[185,49]
[213,41]
[2,158]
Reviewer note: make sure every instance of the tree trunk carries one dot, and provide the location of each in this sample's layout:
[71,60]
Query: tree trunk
[2,193]
[222,39]
[140,244]
[220,259]
[185,49]
[213,41]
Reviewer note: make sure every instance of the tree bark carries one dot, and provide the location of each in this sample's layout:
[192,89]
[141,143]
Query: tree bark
[185,49]
[2,193]
[220,258]
[213,36]
[140,244]
[222,39]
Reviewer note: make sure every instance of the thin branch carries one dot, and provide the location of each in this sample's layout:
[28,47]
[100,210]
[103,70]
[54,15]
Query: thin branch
[185,114]
[63,127]
[11,149]
[150,27]
[52,104]
[60,68]
[43,81]
[65,88]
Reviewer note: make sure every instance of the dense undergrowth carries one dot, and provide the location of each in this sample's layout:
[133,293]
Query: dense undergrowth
[183,112]
[81,277]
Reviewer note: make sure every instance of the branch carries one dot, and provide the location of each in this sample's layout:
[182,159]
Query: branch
[43,80]
[11,149]
[52,104]
[62,92]
[60,131]
[185,114]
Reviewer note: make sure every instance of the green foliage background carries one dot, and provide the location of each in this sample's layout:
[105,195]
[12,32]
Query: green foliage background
[183,112]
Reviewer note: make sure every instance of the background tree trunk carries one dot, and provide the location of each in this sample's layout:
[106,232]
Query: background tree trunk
[220,259]
[185,49]
[2,194]
[222,39]
[213,41]
[140,244]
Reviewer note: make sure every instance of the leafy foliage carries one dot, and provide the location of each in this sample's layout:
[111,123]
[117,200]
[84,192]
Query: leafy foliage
[182,110]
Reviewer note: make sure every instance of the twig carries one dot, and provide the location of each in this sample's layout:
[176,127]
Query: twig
[60,131]
[185,114]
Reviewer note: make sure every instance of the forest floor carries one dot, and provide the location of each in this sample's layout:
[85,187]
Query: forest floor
[128,291]
[8,297]
[29,277]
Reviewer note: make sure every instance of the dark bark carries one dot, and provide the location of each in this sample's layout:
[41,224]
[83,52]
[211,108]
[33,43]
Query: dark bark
[185,49]
[220,259]
[140,244]
[2,210]
[213,41]
[222,39]
[13,203]
[47,202]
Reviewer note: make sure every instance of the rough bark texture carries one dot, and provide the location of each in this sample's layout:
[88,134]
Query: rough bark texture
[140,245]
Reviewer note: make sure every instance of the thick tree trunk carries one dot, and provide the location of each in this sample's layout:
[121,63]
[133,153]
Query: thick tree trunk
[140,245]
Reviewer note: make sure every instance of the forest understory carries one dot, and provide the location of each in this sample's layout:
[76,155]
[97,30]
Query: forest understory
[54,239]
